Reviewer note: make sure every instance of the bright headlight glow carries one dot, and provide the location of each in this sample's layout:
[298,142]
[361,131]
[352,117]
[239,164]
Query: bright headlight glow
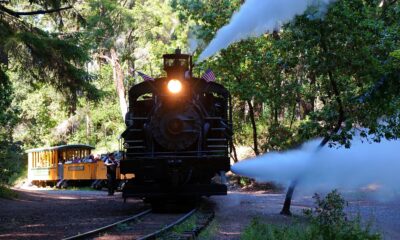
[174,86]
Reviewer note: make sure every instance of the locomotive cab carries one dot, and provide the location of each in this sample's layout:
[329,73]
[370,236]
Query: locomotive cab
[178,134]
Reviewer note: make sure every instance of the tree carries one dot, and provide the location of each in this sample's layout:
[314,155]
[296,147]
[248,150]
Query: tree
[130,35]
[40,56]
[348,53]
[35,57]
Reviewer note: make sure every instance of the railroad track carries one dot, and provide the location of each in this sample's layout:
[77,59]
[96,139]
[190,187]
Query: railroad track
[149,225]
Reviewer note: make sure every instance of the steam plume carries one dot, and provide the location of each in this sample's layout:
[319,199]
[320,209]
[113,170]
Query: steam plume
[193,41]
[256,17]
[361,165]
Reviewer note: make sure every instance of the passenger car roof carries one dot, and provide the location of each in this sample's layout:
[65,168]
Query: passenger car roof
[69,146]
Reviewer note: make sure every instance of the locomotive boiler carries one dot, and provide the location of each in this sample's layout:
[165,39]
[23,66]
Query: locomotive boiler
[178,135]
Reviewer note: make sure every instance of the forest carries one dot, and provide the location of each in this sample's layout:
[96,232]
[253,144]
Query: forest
[66,65]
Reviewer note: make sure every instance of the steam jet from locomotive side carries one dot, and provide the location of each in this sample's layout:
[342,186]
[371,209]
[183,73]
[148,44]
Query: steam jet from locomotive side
[178,135]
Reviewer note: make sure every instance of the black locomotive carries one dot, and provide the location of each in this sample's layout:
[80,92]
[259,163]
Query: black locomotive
[178,135]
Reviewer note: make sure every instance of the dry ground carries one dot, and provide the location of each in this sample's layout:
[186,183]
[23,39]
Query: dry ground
[54,214]
[57,214]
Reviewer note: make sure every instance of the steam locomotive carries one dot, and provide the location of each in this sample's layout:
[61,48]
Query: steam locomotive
[178,135]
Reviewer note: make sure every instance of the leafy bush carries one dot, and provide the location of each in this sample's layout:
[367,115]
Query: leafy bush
[10,169]
[327,221]
[278,137]
[5,192]
[245,181]
[258,230]
[12,166]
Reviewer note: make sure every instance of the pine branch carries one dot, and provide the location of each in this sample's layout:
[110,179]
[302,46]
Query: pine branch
[385,6]
[18,14]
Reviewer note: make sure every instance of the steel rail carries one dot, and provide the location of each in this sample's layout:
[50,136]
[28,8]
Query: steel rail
[156,234]
[98,230]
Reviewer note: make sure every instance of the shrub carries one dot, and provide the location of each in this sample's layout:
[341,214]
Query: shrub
[261,231]
[6,192]
[245,181]
[327,221]
[12,166]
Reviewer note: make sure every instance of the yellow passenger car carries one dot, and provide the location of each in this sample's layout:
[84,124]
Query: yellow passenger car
[51,164]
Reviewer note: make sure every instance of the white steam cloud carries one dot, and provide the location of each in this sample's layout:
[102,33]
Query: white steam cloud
[193,45]
[256,17]
[193,42]
[362,165]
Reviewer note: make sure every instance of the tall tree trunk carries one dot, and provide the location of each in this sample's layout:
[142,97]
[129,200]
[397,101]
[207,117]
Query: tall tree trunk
[87,128]
[257,109]
[253,124]
[253,121]
[73,99]
[118,76]
[288,199]
[289,194]
[336,128]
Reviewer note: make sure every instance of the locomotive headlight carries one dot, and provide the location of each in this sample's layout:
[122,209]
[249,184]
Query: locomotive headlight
[174,86]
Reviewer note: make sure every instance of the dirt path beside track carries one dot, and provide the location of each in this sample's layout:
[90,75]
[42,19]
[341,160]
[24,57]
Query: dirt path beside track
[54,214]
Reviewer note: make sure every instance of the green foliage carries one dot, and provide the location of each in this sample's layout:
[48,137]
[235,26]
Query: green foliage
[6,192]
[40,57]
[351,30]
[95,123]
[279,137]
[101,122]
[12,163]
[395,54]
[210,231]
[310,74]
[187,225]
[258,231]
[245,181]
[11,160]
[7,117]
[35,117]
[327,221]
